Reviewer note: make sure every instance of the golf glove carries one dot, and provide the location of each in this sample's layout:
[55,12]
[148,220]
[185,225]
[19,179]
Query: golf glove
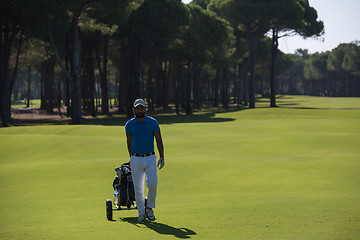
[161,163]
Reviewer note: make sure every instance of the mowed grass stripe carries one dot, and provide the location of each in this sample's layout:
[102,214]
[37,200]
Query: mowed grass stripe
[284,173]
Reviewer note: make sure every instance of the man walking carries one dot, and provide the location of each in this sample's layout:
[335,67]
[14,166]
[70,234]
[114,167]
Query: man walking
[140,133]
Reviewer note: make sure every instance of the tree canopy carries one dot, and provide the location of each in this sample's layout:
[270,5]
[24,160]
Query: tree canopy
[166,52]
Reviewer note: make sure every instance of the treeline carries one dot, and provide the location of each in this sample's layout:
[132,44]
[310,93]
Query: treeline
[85,52]
[333,73]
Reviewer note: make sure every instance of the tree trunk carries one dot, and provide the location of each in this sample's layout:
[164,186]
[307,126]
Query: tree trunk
[50,85]
[58,97]
[136,75]
[66,81]
[109,87]
[29,86]
[242,73]
[47,79]
[104,80]
[65,70]
[225,88]
[196,87]
[150,87]
[177,88]
[76,75]
[122,80]
[116,88]
[216,88]
[236,90]
[274,53]
[165,85]
[42,81]
[252,43]
[12,81]
[5,94]
[130,68]
[246,83]
[188,89]
[85,82]
[90,86]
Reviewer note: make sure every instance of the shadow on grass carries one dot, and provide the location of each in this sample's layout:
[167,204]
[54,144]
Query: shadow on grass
[162,119]
[196,118]
[162,228]
[32,122]
[120,120]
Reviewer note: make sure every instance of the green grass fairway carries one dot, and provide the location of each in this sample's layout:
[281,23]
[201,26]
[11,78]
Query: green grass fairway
[291,172]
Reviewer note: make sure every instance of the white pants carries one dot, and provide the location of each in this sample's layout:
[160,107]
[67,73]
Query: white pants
[141,167]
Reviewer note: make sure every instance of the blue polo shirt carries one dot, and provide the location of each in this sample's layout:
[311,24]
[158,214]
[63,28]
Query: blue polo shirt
[142,134]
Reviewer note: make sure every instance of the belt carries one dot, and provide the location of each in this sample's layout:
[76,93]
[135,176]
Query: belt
[142,155]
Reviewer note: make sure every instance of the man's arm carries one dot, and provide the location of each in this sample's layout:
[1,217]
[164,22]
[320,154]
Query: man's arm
[159,143]
[129,143]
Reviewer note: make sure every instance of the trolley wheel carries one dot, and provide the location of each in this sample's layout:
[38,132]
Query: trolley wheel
[109,213]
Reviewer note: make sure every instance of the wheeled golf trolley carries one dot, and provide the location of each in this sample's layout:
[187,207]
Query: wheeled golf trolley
[124,194]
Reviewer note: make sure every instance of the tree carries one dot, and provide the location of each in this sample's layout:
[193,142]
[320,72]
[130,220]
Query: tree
[74,9]
[283,66]
[315,71]
[32,55]
[153,40]
[249,19]
[351,61]
[351,64]
[102,20]
[207,37]
[202,3]
[11,15]
[343,63]
[291,17]
[62,16]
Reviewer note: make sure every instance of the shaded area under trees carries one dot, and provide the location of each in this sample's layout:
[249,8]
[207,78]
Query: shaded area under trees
[172,54]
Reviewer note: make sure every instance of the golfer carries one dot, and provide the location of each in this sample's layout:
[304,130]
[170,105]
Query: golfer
[140,133]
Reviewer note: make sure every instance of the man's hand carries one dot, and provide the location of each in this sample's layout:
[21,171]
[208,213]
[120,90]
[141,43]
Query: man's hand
[161,163]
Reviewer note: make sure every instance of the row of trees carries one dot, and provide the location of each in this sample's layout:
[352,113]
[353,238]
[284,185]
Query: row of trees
[334,73]
[164,51]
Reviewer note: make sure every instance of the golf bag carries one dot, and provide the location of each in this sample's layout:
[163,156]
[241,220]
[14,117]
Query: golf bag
[124,184]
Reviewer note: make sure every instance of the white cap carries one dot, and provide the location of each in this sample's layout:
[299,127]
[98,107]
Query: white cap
[139,102]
